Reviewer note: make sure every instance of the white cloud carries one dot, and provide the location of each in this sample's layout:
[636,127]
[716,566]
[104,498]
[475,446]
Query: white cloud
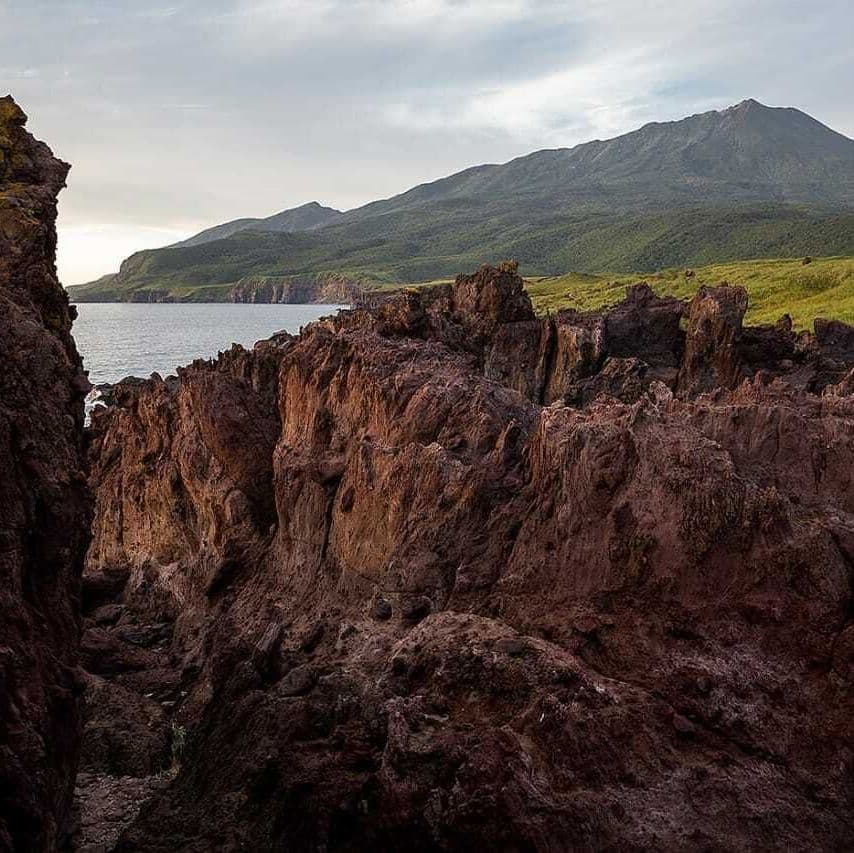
[18,73]
[589,100]
[655,61]
[293,19]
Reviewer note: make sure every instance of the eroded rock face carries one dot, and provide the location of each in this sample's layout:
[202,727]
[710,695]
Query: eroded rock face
[413,607]
[326,288]
[44,505]
[714,334]
[203,488]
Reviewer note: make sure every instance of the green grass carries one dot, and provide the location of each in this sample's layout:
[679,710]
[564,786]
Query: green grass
[823,288]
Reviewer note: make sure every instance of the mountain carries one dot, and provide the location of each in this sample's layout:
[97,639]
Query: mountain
[747,153]
[748,181]
[304,218]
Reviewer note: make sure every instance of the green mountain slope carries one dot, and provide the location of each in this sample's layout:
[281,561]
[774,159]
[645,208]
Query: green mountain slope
[750,181]
[429,250]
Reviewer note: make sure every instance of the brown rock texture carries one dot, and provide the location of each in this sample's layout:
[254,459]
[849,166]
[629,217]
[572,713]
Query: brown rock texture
[439,574]
[44,503]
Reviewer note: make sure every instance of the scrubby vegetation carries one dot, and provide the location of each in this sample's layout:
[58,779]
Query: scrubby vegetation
[179,740]
[822,288]
[415,246]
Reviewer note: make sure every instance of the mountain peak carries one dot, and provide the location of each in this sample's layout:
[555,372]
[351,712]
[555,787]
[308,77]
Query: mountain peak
[752,108]
[306,217]
[748,153]
[748,104]
[310,205]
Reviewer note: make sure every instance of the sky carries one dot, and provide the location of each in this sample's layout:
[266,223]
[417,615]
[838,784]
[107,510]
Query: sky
[181,114]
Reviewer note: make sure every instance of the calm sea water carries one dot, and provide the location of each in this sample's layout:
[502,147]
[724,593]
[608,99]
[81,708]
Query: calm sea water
[122,339]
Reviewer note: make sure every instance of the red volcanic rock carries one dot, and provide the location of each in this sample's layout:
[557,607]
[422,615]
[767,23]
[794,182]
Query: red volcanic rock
[835,337]
[416,608]
[712,343]
[645,326]
[568,357]
[491,297]
[44,507]
[202,491]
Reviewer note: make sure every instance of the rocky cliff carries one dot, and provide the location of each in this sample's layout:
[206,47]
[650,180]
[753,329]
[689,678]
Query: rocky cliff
[328,288]
[323,288]
[438,573]
[44,506]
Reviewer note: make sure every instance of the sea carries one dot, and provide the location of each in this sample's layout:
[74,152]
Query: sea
[120,339]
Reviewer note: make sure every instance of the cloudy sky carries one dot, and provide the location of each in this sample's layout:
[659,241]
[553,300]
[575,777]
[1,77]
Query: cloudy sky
[180,114]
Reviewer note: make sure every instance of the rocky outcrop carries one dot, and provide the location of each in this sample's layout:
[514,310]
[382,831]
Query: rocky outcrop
[44,506]
[409,605]
[329,288]
[151,296]
[714,334]
[322,288]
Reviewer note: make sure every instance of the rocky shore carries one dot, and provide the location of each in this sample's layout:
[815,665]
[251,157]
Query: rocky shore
[441,573]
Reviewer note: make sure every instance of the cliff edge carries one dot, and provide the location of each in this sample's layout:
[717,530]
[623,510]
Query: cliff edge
[44,504]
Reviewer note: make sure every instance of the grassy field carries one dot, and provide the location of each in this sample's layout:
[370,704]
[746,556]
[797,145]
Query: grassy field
[823,288]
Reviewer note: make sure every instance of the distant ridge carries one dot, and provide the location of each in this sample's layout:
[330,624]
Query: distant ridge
[749,181]
[303,218]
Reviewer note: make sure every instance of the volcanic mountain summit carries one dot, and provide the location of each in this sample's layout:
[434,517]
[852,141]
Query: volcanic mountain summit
[748,181]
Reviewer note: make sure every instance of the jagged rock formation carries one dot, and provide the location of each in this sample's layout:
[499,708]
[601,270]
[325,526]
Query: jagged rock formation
[439,574]
[44,506]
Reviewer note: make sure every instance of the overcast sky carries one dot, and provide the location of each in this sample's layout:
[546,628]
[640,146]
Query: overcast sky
[180,115]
